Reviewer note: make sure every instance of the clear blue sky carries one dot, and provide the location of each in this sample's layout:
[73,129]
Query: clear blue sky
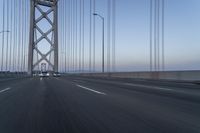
[182,34]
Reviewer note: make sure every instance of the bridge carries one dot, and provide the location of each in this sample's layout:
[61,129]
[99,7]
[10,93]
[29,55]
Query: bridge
[70,66]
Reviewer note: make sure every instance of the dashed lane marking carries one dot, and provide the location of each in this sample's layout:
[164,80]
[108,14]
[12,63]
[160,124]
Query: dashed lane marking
[86,88]
[4,90]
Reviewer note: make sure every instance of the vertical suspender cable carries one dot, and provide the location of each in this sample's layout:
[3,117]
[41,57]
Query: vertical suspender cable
[2,60]
[72,18]
[73,35]
[22,31]
[25,12]
[108,34]
[70,45]
[65,31]
[14,39]
[71,32]
[76,33]
[59,38]
[7,34]
[80,34]
[155,33]
[22,38]
[25,41]
[74,44]
[60,47]
[65,36]
[94,36]
[11,35]
[90,37]
[61,35]
[113,35]
[24,35]
[151,16]
[83,35]
[63,15]
[68,41]
[163,34]
[73,25]
[158,33]
[19,36]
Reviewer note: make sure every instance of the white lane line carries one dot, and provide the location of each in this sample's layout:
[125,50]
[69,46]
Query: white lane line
[5,90]
[79,81]
[145,86]
[98,92]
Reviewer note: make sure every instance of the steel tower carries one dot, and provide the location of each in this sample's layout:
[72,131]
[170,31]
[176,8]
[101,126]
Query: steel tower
[43,12]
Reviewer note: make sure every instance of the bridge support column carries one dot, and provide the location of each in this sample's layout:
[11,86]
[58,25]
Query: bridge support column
[43,42]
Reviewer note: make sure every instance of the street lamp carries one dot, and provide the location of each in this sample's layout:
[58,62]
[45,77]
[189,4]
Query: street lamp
[102,18]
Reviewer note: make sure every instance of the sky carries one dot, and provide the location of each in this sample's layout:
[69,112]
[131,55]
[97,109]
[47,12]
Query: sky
[182,34]
[182,18]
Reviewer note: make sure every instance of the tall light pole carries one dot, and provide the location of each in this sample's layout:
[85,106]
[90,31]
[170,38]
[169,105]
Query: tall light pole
[102,18]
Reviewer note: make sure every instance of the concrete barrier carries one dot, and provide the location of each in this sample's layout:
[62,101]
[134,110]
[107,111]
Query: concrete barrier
[167,75]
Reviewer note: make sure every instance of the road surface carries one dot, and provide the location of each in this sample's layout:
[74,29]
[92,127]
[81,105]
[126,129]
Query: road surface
[93,105]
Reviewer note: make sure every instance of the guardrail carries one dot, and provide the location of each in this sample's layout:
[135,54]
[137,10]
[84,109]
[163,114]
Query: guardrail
[166,75]
[12,75]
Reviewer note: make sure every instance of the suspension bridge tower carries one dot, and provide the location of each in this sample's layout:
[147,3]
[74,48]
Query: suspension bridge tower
[43,36]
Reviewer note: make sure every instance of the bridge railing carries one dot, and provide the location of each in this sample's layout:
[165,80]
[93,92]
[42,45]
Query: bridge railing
[11,75]
[166,75]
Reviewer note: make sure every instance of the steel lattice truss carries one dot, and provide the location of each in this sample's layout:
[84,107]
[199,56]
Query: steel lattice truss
[37,30]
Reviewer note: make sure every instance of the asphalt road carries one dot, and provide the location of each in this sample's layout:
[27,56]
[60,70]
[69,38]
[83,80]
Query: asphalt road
[92,105]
